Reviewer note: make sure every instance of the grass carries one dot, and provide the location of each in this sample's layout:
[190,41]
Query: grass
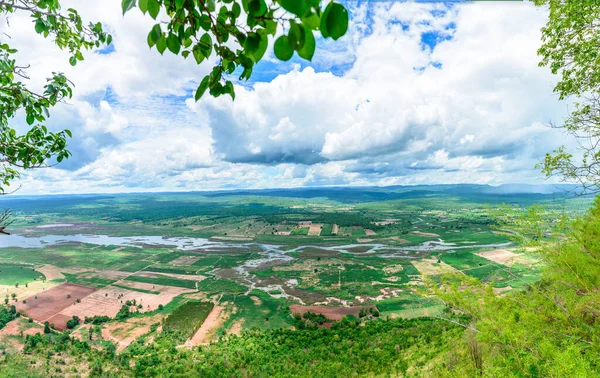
[404,302]
[88,281]
[299,231]
[215,286]
[11,274]
[187,318]
[135,266]
[264,313]
[176,270]
[165,281]
[358,232]
[326,230]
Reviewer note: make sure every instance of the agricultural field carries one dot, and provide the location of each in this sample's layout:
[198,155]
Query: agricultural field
[207,265]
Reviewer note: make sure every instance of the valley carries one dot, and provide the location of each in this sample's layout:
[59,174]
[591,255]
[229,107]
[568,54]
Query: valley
[257,261]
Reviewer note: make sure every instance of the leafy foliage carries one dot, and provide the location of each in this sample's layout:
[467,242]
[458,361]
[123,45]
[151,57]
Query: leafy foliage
[570,48]
[550,329]
[237,32]
[36,147]
[377,348]
[187,318]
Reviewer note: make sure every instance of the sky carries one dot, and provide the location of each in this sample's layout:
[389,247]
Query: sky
[414,93]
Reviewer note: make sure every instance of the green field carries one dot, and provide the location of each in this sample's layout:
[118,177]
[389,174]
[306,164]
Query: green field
[255,287]
[11,274]
[187,318]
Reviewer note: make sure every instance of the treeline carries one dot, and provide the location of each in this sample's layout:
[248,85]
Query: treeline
[348,348]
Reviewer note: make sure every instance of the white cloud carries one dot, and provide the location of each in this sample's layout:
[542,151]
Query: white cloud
[471,109]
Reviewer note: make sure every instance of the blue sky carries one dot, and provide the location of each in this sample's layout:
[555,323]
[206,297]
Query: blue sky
[416,92]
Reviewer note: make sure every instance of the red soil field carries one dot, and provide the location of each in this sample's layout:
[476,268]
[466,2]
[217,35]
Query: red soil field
[52,301]
[333,313]
[59,321]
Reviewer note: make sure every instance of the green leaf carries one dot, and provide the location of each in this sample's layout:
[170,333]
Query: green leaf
[206,44]
[173,44]
[30,119]
[179,4]
[39,26]
[294,35]
[282,48]
[127,5]
[161,44]
[312,21]
[143,5]
[252,42]
[153,8]
[236,9]
[323,24]
[308,50]
[262,48]
[337,20]
[198,54]
[297,7]
[73,60]
[229,89]
[154,35]
[210,5]
[68,132]
[201,88]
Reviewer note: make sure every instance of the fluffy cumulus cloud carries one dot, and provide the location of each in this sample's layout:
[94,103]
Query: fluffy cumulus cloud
[414,93]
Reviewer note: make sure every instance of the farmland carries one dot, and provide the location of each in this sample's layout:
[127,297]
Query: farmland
[207,265]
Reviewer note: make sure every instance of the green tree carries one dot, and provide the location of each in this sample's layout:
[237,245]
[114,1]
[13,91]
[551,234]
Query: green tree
[237,32]
[38,146]
[550,329]
[570,49]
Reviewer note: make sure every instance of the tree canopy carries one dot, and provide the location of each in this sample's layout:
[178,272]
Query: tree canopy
[237,32]
[570,49]
[38,145]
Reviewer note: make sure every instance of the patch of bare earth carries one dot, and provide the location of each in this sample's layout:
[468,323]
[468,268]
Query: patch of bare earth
[51,272]
[335,229]
[430,267]
[391,269]
[283,233]
[256,300]
[370,232]
[124,333]
[364,240]
[15,327]
[426,234]
[109,300]
[399,239]
[501,290]
[208,329]
[236,328]
[315,229]
[52,301]
[500,256]
[23,291]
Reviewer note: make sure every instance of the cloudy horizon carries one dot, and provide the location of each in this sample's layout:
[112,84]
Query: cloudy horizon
[415,93]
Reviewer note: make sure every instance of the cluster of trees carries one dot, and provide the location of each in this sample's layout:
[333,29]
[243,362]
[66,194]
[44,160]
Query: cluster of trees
[73,322]
[96,319]
[347,348]
[7,315]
